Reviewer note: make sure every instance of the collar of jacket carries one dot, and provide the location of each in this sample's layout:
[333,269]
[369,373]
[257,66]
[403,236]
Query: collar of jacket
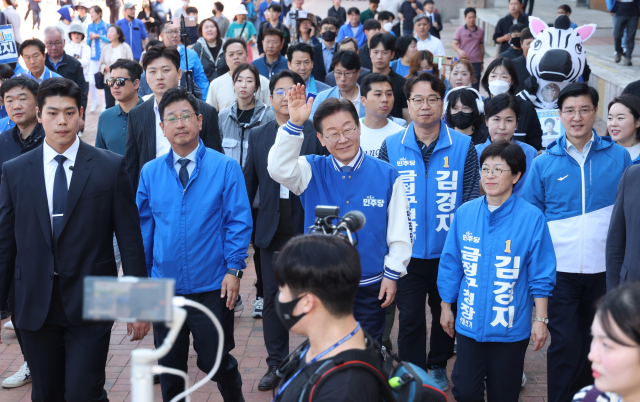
[558,147]
[205,49]
[199,155]
[444,138]
[63,60]
[258,112]
[505,210]
[356,166]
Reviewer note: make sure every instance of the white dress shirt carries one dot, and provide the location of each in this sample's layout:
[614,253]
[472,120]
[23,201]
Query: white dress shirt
[162,143]
[50,167]
[432,44]
[580,157]
[192,161]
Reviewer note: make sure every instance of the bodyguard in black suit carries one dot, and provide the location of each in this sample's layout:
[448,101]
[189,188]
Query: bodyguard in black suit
[59,207]
[162,69]
[280,214]
[622,252]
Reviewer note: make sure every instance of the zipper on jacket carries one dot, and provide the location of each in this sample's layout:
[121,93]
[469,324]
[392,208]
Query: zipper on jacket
[582,219]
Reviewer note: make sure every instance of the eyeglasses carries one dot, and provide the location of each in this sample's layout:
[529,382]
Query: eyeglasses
[585,111]
[335,137]
[185,117]
[281,92]
[173,32]
[346,75]
[53,44]
[118,82]
[495,172]
[431,101]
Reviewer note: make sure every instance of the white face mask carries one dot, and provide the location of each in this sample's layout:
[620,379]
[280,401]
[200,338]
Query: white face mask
[498,87]
[185,3]
[387,27]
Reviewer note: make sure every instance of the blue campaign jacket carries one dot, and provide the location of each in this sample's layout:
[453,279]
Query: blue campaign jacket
[577,201]
[494,264]
[529,152]
[96,44]
[194,235]
[332,93]
[331,186]
[433,202]
[195,65]
[346,32]
[612,5]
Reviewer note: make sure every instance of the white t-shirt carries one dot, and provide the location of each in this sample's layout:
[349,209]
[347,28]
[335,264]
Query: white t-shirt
[222,94]
[371,139]
[634,151]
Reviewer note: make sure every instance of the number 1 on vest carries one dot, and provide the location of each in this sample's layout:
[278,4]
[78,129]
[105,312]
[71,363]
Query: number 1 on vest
[446,162]
[508,249]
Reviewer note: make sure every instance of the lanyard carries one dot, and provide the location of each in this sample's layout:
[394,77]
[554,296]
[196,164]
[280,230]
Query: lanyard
[315,359]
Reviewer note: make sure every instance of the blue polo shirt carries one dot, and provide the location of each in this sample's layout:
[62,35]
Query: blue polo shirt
[268,70]
[134,33]
[112,129]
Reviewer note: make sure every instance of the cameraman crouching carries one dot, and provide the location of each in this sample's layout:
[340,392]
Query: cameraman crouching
[350,180]
[318,277]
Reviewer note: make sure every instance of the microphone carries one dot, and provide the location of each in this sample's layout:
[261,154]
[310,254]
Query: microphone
[353,220]
[73,168]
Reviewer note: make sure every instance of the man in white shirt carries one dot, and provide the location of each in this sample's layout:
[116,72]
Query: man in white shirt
[426,41]
[376,94]
[221,93]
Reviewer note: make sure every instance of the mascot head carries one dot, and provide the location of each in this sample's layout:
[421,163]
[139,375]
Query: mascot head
[557,54]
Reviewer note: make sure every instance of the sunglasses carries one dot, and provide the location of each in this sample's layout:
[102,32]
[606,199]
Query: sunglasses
[119,82]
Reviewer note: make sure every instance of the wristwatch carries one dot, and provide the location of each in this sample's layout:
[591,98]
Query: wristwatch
[235,272]
[544,320]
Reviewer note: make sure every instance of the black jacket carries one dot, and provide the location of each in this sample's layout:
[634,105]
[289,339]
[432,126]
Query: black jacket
[341,14]
[10,146]
[503,26]
[622,252]
[208,64]
[100,202]
[150,26]
[365,57]
[633,89]
[511,53]
[528,130]
[141,136]
[257,179]
[72,69]
[319,72]
[521,70]
[433,30]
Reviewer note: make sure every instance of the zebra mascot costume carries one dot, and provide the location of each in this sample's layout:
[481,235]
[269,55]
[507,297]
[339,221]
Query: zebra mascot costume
[556,58]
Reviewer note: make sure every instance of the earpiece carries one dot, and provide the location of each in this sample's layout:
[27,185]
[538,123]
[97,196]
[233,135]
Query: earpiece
[479,102]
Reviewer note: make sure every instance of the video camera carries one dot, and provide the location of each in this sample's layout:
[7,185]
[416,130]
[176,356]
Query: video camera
[344,226]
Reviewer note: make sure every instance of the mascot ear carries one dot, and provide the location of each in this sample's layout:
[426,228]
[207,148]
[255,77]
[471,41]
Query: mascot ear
[536,25]
[585,31]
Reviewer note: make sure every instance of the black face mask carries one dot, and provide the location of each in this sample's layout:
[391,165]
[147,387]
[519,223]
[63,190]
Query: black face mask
[329,36]
[462,120]
[515,42]
[284,311]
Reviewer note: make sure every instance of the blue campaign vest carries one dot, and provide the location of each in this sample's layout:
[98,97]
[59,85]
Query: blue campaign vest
[433,202]
[367,188]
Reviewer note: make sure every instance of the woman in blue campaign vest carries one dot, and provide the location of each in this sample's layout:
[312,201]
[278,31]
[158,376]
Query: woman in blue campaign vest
[502,114]
[498,259]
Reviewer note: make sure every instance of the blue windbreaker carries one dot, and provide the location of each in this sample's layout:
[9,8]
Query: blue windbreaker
[195,65]
[494,264]
[195,234]
[435,196]
[529,152]
[577,201]
[346,32]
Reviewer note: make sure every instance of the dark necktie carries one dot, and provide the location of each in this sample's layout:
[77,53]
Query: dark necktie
[60,191]
[346,168]
[184,173]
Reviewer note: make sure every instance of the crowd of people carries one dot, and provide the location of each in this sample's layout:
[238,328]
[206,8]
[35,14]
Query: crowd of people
[227,134]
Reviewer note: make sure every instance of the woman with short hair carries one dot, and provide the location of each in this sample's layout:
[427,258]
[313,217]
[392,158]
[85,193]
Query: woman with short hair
[623,124]
[464,112]
[406,47]
[209,46]
[497,259]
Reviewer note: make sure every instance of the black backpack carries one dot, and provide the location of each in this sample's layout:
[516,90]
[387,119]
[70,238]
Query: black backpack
[412,384]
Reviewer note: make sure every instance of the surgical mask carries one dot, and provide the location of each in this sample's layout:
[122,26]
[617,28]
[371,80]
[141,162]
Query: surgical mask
[462,120]
[185,3]
[498,87]
[388,26]
[515,42]
[430,71]
[329,36]
[284,311]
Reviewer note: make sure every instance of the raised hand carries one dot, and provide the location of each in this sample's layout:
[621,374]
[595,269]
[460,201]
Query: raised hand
[298,105]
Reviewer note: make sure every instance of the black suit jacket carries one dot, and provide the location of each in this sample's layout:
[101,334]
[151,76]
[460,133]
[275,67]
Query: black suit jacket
[522,72]
[99,203]
[257,178]
[141,136]
[72,69]
[622,252]
[319,72]
[433,30]
[365,57]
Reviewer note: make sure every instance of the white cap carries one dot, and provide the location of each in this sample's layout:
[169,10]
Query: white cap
[241,10]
